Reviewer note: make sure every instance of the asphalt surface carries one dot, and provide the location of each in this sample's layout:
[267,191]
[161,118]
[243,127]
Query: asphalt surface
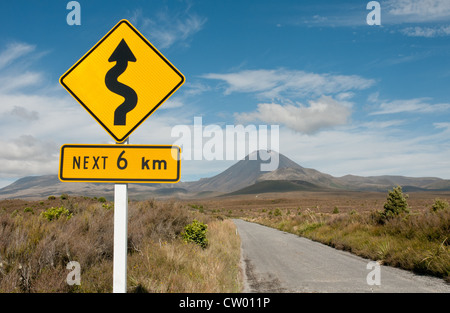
[276,261]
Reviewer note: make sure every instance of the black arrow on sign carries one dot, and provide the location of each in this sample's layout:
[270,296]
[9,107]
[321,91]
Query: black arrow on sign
[121,55]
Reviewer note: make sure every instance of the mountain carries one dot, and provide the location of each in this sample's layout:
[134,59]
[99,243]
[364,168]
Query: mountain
[244,177]
[358,183]
[242,174]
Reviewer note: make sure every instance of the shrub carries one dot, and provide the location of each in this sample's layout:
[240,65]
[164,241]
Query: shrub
[277,212]
[196,232]
[439,205]
[396,203]
[55,213]
[28,209]
[107,206]
[198,207]
[336,210]
[101,199]
[64,196]
[51,197]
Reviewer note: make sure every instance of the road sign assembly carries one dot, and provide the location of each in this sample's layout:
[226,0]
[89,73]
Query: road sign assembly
[121,81]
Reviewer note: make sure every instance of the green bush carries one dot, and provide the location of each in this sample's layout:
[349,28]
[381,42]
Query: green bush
[55,213]
[439,205]
[277,212]
[396,203]
[199,207]
[64,196]
[28,209]
[107,206]
[196,232]
[51,197]
[101,199]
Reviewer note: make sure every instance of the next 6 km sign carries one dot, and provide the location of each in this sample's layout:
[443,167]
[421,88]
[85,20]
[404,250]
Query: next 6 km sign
[120,163]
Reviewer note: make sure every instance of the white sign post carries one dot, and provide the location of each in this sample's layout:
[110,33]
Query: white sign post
[120,237]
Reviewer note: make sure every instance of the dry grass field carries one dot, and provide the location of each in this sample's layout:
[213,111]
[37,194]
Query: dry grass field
[36,245]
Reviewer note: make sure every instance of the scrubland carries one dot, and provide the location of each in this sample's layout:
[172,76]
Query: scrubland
[39,238]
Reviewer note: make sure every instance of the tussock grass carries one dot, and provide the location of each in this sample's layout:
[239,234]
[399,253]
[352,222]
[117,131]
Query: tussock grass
[186,267]
[34,250]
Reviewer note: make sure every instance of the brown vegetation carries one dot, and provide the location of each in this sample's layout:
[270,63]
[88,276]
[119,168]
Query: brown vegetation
[35,249]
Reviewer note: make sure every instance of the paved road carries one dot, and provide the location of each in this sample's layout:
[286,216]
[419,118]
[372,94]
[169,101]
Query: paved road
[275,261]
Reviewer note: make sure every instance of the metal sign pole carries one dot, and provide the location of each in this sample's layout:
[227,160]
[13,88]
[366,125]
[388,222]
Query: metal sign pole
[120,237]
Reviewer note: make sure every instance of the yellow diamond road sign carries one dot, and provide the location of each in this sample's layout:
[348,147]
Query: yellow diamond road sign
[122,80]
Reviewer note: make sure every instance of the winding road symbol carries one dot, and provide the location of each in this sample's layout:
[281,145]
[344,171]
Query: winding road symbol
[121,55]
[122,80]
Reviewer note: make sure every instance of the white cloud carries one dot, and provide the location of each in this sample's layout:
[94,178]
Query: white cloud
[24,114]
[171,103]
[34,121]
[17,81]
[445,126]
[322,113]
[428,32]
[417,105]
[28,155]
[370,151]
[168,28]
[417,10]
[382,124]
[14,51]
[195,89]
[280,83]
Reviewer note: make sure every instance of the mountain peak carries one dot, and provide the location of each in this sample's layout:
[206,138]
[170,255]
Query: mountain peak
[246,171]
[273,157]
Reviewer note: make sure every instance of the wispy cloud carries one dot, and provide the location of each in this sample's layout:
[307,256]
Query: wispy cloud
[428,32]
[382,124]
[417,10]
[282,83]
[168,28]
[394,13]
[11,83]
[417,105]
[13,52]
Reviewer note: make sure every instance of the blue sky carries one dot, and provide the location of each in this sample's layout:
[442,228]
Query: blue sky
[349,98]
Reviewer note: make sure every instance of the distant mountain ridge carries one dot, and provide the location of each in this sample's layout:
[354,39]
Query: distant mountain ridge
[244,177]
